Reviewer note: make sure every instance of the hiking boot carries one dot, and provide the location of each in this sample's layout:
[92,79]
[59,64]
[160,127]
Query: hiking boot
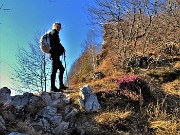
[54,89]
[63,87]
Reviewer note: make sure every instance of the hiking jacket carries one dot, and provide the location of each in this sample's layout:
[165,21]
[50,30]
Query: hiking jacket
[56,47]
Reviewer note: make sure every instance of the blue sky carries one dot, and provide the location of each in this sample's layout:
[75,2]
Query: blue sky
[19,25]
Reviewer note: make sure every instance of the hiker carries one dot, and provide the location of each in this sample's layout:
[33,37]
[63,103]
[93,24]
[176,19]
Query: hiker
[55,52]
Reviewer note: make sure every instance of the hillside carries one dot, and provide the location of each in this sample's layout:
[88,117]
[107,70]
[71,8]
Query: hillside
[124,111]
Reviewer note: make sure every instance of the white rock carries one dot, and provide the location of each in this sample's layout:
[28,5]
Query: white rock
[88,100]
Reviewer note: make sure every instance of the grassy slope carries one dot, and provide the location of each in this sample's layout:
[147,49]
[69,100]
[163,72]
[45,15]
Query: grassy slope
[121,115]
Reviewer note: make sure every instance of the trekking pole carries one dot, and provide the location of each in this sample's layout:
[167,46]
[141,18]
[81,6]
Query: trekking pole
[66,69]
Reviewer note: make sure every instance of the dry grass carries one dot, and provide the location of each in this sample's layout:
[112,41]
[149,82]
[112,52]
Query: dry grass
[106,65]
[163,122]
[107,118]
[107,83]
[166,127]
[172,87]
[99,86]
[177,65]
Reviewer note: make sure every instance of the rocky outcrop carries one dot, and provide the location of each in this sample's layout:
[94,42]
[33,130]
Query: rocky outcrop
[43,114]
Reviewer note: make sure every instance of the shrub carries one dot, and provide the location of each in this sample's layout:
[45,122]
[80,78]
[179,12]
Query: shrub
[132,86]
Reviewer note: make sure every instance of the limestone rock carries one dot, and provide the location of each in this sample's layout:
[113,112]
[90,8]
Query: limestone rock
[88,100]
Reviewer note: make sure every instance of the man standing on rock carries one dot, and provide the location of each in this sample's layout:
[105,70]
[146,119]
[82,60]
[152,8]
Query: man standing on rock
[55,52]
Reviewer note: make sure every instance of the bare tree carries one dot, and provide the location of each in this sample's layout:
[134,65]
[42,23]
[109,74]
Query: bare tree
[170,17]
[92,47]
[86,63]
[128,25]
[32,69]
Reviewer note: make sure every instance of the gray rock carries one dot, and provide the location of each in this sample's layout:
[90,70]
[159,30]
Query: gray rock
[7,115]
[46,98]
[17,133]
[41,124]
[48,112]
[20,101]
[92,104]
[2,124]
[60,128]
[88,100]
[71,113]
[5,96]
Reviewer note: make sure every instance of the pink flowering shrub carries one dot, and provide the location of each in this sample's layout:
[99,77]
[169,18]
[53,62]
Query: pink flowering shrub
[133,83]
[130,89]
[133,86]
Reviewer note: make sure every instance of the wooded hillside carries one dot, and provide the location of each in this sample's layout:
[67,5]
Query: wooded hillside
[146,32]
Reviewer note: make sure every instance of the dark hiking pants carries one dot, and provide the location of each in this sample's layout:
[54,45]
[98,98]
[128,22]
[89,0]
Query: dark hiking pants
[56,64]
